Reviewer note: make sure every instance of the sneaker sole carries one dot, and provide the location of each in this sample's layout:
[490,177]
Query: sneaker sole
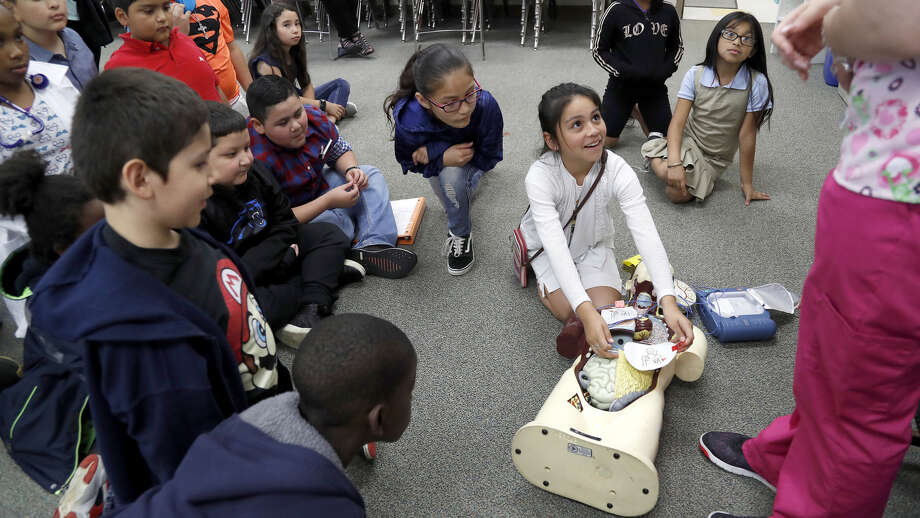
[291,336]
[733,469]
[355,265]
[460,271]
[390,263]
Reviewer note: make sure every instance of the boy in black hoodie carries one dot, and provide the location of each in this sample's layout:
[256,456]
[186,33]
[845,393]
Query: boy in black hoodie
[639,45]
[296,267]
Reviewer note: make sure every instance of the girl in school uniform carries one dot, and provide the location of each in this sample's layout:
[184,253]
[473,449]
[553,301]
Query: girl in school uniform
[577,271]
[279,50]
[722,104]
[449,129]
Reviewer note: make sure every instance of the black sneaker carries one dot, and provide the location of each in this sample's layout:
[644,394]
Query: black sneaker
[305,319]
[724,450]
[351,272]
[10,372]
[459,252]
[721,514]
[384,261]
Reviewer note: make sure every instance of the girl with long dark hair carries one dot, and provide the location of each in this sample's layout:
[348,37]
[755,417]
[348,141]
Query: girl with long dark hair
[279,50]
[722,104]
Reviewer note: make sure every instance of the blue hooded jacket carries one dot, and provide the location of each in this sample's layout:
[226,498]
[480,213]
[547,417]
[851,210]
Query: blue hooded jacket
[415,127]
[158,370]
[267,461]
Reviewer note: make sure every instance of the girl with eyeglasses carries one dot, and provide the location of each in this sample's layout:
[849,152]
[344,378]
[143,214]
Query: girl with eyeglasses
[448,129]
[722,104]
[36,101]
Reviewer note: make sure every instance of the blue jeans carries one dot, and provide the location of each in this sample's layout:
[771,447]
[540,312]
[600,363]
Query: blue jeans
[371,220]
[335,91]
[455,186]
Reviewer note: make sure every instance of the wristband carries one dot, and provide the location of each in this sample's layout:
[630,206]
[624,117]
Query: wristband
[674,165]
[322,104]
[352,167]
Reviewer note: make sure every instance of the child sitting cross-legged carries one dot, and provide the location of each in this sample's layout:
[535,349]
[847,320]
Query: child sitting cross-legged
[318,171]
[164,318]
[354,375]
[296,266]
[153,42]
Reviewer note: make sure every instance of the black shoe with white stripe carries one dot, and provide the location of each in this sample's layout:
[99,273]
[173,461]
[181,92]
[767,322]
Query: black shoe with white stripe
[459,252]
[384,260]
[724,450]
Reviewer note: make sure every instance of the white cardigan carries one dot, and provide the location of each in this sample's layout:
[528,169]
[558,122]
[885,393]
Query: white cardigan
[552,193]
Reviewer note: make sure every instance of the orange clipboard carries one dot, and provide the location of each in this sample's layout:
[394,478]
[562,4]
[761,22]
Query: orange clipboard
[408,214]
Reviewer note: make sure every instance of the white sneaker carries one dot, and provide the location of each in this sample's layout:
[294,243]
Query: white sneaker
[350,109]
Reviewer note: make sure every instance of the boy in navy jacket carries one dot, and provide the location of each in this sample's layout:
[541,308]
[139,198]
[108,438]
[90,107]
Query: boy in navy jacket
[354,375]
[171,336]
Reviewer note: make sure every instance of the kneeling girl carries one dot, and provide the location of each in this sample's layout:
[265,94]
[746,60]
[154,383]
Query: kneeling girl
[577,272]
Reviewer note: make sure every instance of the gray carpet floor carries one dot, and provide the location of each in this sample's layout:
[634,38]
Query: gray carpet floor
[486,347]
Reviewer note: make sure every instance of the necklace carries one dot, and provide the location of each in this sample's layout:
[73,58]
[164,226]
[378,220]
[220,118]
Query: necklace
[37,82]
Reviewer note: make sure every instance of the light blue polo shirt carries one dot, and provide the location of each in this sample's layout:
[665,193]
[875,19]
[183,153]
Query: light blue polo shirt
[80,63]
[760,92]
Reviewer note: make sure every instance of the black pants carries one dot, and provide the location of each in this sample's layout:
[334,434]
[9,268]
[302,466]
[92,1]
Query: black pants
[619,99]
[314,277]
[343,16]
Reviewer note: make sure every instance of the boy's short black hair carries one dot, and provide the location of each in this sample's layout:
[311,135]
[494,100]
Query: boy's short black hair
[128,113]
[223,120]
[266,92]
[347,364]
[123,4]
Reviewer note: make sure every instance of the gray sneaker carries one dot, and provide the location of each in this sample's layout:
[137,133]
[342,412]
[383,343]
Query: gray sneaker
[350,109]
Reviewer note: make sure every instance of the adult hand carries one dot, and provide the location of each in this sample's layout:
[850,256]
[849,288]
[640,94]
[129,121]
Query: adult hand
[677,179]
[296,249]
[344,196]
[798,37]
[420,156]
[358,177]
[597,334]
[751,195]
[178,17]
[336,110]
[675,319]
[458,155]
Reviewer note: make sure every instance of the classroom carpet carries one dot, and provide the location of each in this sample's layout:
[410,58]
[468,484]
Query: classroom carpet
[486,349]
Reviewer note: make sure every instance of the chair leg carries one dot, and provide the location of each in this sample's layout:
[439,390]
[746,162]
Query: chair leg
[523,21]
[482,34]
[537,22]
[463,11]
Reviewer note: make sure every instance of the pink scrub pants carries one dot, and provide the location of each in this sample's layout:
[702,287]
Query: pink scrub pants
[857,366]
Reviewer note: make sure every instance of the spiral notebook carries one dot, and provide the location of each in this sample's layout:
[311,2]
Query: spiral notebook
[408,214]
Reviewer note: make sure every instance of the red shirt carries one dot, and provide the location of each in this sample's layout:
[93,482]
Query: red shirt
[181,59]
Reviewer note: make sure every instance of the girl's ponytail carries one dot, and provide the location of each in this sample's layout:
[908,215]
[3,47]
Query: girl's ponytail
[405,87]
[21,176]
[52,206]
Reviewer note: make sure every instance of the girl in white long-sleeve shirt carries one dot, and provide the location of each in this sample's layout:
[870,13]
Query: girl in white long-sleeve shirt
[577,272]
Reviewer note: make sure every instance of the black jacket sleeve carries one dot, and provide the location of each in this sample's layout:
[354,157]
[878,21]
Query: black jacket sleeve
[675,47]
[273,252]
[602,50]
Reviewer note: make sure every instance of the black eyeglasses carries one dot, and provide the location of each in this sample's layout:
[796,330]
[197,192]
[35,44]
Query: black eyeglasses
[747,41]
[454,106]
